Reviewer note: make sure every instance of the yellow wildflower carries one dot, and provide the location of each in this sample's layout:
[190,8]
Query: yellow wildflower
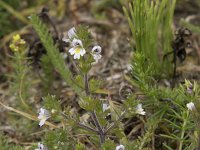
[17,43]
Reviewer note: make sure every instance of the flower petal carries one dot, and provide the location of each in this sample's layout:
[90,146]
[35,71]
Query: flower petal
[71,33]
[96,49]
[140,110]
[77,56]
[41,123]
[82,51]
[42,110]
[72,51]
[66,40]
[97,56]
[120,147]
[105,107]
[77,42]
[190,106]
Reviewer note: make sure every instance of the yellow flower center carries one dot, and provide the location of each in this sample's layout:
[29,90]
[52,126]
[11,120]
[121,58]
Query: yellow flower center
[77,50]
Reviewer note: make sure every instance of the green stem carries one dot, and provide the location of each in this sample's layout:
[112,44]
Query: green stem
[183,130]
[21,73]
[87,91]
[93,114]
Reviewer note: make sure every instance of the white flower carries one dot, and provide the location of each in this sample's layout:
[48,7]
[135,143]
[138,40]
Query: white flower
[190,106]
[105,107]
[77,42]
[43,116]
[70,35]
[96,53]
[77,50]
[41,147]
[120,147]
[140,110]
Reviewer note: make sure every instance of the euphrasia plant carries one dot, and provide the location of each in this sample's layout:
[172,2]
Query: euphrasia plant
[83,57]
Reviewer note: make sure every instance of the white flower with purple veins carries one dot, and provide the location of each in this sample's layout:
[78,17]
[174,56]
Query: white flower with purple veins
[41,147]
[120,147]
[43,116]
[140,110]
[105,107]
[96,53]
[77,50]
[190,106]
[70,35]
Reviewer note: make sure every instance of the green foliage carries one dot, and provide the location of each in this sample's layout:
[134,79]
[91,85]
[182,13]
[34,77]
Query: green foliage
[95,84]
[109,144]
[89,104]
[20,83]
[52,104]
[80,146]
[143,70]
[53,52]
[130,105]
[84,36]
[58,140]
[169,114]
[146,18]
[6,19]
[5,145]
[47,76]
[20,75]
[166,106]
[183,122]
